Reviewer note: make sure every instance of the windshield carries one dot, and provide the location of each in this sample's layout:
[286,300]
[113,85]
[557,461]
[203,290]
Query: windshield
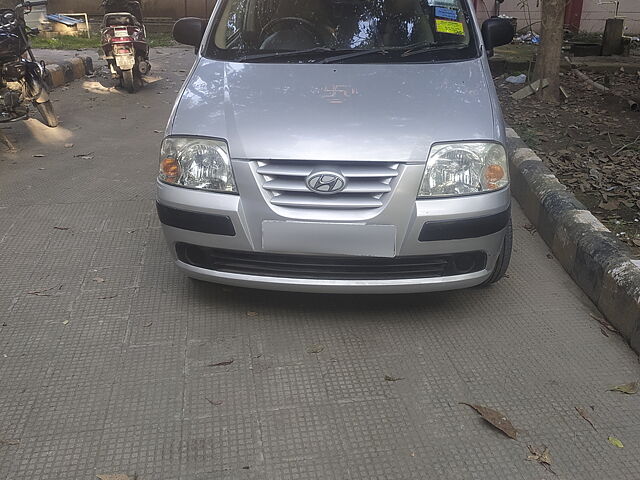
[341,31]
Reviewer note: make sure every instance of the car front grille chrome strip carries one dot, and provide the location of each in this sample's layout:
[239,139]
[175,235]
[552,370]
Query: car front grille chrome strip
[366,183]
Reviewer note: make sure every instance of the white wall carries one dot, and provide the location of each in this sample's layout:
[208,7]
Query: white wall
[594,14]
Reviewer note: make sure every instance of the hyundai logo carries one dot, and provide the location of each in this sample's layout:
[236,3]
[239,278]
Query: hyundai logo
[326,183]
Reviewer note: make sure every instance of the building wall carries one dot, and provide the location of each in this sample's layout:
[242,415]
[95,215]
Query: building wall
[152,8]
[594,14]
[513,8]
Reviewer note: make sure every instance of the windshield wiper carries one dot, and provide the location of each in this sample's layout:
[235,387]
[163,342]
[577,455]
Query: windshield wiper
[428,48]
[350,55]
[291,53]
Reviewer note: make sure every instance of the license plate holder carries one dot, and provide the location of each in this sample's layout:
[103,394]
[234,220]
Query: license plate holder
[321,238]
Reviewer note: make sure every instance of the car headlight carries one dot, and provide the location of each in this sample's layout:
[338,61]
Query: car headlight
[464,168]
[199,163]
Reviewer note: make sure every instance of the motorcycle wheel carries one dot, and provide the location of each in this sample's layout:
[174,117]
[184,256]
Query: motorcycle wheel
[128,81]
[48,114]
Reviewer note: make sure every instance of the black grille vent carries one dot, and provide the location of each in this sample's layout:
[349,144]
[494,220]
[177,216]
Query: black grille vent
[330,267]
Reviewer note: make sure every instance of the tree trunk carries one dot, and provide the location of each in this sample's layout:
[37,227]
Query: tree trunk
[550,54]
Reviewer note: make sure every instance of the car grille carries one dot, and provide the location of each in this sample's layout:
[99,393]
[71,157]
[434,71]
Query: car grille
[367,184]
[330,267]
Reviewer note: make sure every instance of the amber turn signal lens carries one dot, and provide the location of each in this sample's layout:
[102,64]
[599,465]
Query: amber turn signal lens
[493,174]
[170,169]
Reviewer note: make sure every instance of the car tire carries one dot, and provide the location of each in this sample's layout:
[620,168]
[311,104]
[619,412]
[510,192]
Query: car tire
[502,264]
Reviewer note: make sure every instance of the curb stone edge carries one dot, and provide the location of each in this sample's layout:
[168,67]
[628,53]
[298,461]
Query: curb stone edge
[599,263]
[65,72]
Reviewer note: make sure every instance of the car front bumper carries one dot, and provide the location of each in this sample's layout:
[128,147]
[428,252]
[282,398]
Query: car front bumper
[425,230]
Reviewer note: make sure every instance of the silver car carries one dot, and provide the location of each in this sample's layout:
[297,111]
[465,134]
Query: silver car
[338,146]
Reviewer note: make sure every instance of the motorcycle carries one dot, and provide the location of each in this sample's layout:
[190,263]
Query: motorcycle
[124,45]
[22,77]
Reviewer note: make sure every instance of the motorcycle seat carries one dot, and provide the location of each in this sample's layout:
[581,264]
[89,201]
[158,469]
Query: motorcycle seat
[120,19]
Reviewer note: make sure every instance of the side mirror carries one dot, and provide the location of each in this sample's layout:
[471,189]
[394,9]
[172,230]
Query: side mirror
[189,31]
[497,32]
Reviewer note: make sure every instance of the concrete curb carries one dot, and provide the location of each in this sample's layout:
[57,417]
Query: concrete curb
[66,72]
[596,260]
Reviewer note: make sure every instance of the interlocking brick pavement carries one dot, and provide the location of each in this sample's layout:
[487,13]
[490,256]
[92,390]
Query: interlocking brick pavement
[105,349]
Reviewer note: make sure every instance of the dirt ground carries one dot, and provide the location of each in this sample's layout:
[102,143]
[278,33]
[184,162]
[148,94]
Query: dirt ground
[591,142]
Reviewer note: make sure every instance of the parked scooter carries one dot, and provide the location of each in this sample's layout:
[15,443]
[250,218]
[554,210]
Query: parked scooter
[124,44]
[22,78]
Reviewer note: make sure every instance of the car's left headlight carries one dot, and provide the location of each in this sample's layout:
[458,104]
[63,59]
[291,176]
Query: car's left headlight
[464,168]
[200,163]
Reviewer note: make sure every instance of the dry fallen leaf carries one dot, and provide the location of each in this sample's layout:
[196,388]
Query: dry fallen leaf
[603,322]
[615,442]
[315,349]
[495,418]
[115,477]
[221,364]
[583,413]
[252,314]
[9,442]
[610,205]
[628,388]
[541,456]
[43,293]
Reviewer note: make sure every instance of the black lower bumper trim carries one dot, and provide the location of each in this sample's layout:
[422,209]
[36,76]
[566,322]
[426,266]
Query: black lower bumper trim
[195,221]
[467,228]
[330,267]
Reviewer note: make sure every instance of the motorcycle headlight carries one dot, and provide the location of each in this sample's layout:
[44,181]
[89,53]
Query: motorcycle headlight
[199,163]
[464,168]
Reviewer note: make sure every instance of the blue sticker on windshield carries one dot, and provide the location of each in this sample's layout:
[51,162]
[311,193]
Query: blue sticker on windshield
[446,13]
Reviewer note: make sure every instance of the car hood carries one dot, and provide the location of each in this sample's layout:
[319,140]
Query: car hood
[364,112]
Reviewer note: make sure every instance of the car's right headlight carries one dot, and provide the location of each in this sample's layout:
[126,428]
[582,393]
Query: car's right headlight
[464,168]
[199,163]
